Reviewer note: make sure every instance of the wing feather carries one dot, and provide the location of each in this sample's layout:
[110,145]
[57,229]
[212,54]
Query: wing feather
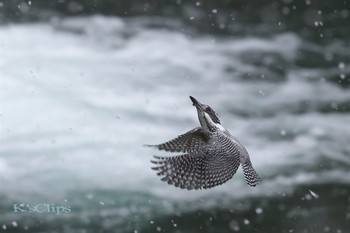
[187,143]
[197,170]
[181,171]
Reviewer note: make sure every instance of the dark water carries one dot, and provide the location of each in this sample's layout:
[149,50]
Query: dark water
[307,18]
[298,211]
[84,84]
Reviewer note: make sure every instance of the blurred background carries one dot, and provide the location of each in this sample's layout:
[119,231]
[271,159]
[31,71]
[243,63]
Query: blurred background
[85,83]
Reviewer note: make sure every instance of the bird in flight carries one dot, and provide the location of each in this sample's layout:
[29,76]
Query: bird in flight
[211,155]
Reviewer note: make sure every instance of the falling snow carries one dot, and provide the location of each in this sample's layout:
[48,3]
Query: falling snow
[174,224]
[89,196]
[315,195]
[258,210]
[341,65]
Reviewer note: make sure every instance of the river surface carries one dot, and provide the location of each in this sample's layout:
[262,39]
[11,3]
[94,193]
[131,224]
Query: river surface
[81,95]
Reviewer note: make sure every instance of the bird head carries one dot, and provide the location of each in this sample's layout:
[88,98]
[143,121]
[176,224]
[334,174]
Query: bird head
[208,118]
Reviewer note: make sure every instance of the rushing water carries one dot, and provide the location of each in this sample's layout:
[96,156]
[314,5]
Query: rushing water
[80,96]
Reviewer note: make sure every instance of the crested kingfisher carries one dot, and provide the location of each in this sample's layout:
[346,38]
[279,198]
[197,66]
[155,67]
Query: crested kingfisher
[211,155]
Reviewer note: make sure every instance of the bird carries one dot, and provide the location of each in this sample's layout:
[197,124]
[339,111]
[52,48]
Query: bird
[210,155]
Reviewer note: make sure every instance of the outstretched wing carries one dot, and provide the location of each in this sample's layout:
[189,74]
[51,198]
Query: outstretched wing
[197,171]
[219,170]
[184,171]
[188,142]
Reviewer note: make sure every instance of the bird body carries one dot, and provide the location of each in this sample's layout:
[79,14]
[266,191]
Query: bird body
[211,155]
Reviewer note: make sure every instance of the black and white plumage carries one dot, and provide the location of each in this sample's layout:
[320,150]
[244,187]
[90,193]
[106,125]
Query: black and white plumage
[211,156]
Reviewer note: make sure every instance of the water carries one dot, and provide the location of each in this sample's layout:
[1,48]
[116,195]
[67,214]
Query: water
[81,95]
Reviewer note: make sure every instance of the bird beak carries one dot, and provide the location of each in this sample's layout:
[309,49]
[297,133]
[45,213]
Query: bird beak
[197,104]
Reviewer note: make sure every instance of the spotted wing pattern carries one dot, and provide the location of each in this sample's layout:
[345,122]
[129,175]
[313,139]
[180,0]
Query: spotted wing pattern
[250,175]
[197,171]
[184,171]
[189,142]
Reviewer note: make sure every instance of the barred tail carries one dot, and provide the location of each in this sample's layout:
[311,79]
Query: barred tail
[252,178]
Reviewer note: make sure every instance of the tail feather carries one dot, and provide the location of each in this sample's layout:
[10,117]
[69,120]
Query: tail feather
[252,178]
